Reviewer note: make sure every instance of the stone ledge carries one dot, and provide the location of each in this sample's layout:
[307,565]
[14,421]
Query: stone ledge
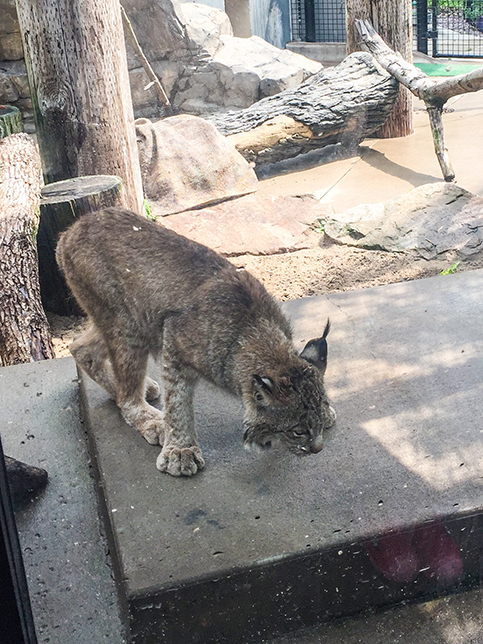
[258,545]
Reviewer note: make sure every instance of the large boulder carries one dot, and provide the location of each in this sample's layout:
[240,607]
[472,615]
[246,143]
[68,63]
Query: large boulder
[204,25]
[240,72]
[250,224]
[186,162]
[430,220]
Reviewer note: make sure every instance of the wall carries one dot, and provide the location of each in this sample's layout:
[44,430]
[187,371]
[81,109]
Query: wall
[270,19]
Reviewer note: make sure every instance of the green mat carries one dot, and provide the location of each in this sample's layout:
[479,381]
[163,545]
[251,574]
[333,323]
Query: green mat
[446,69]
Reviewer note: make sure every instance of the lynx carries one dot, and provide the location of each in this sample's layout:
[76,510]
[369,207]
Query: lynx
[147,290]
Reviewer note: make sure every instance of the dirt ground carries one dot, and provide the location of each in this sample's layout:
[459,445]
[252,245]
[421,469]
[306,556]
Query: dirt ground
[325,267]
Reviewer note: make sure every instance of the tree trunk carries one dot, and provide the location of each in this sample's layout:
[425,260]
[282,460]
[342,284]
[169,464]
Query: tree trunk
[392,19]
[10,120]
[61,204]
[24,330]
[343,104]
[76,63]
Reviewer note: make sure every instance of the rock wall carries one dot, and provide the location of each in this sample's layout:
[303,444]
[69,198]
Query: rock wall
[14,87]
[202,66]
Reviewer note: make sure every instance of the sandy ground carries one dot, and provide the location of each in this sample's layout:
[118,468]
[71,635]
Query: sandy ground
[323,268]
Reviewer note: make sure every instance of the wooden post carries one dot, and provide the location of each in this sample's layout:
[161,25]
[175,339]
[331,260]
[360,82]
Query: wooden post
[77,69]
[60,205]
[24,330]
[392,19]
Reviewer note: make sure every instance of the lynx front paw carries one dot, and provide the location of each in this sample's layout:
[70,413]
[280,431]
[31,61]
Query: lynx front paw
[180,461]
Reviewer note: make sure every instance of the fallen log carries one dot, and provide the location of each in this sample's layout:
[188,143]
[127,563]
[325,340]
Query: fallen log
[434,92]
[24,331]
[343,104]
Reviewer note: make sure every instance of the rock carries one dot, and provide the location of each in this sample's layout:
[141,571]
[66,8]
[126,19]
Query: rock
[205,25]
[431,219]
[277,69]
[25,481]
[186,162]
[259,226]
[11,47]
[241,71]
[10,38]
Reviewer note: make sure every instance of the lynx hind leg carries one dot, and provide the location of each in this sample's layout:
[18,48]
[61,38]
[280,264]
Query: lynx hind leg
[152,390]
[90,353]
[129,364]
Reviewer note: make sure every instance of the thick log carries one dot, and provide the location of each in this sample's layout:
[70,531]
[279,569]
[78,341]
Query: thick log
[432,91]
[24,331]
[76,64]
[10,120]
[343,104]
[61,204]
[394,22]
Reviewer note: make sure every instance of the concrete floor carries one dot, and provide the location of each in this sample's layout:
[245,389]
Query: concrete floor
[390,167]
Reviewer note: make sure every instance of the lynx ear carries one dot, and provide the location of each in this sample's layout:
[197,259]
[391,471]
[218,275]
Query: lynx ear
[315,351]
[263,389]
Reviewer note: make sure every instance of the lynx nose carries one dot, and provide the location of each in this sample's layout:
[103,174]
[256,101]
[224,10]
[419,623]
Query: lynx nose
[317,444]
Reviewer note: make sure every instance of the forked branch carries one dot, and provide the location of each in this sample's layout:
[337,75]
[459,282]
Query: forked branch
[433,92]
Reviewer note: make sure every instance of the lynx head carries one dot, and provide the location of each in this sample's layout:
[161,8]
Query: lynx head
[289,405]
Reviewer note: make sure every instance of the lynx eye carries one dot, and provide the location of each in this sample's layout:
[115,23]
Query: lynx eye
[298,431]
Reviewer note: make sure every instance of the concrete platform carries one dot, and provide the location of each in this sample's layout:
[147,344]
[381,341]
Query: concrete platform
[258,545]
[63,543]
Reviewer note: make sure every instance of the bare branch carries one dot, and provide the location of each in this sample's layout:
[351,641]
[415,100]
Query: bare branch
[433,92]
[145,62]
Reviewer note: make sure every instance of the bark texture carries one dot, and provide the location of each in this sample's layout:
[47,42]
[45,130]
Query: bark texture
[76,63]
[343,104]
[61,204]
[393,21]
[24,331]
[10,120]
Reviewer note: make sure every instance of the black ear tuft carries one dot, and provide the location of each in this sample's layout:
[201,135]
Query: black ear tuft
[315,351]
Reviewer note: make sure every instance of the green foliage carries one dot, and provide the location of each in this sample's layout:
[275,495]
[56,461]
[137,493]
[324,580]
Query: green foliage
[319,227]
[472,9]
[451,4]
[452,269]
[147,211]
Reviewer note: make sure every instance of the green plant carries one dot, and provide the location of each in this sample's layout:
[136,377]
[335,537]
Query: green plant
[452,269]
[319,227]
[147,211]
[473,9]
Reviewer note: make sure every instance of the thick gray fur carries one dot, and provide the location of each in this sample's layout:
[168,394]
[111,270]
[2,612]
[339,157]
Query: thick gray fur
[148,290]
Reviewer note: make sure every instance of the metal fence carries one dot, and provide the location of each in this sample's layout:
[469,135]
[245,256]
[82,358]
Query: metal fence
[318,20]
[452,28]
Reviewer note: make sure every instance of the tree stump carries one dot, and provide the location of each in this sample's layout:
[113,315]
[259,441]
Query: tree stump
[24,331]
[343,104]
[76,64]
[62,203]
[10,121]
